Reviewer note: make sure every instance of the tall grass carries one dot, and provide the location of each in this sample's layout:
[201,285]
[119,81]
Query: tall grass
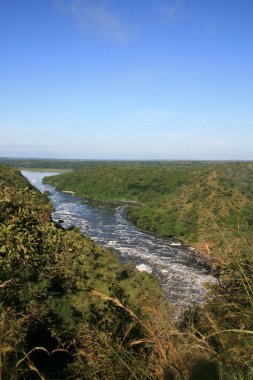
[214,341]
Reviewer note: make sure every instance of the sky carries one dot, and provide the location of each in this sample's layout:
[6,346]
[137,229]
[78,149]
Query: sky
[126,79]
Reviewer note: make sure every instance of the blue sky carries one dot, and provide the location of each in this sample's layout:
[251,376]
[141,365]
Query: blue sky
[126,79]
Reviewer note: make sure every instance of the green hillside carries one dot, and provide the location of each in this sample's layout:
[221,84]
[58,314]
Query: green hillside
[199,203]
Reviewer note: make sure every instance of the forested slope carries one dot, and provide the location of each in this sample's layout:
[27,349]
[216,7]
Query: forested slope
[201,203]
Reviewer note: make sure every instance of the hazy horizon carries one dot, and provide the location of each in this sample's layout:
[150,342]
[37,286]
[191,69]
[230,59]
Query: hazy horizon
[119,159]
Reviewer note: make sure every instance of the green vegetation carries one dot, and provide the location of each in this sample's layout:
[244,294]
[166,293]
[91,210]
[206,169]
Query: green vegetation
[72,164]
[70,310]
[31,163]
[195,202]
[47,275]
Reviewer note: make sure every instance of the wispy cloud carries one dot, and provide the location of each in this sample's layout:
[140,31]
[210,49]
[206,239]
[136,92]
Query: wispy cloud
[94,15]
[170,9]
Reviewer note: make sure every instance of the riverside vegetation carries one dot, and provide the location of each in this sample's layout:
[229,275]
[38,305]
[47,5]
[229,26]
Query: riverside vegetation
[70,310]
[199,203]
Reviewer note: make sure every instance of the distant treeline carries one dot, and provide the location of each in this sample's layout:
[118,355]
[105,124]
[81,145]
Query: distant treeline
[33,163]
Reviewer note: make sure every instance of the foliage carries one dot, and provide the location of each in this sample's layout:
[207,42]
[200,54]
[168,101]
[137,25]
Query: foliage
[70,310]
[194,202]
[46,277]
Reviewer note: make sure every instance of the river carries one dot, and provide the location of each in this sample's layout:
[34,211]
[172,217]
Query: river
[181,272]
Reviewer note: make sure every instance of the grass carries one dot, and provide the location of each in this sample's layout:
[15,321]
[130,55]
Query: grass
[197,347]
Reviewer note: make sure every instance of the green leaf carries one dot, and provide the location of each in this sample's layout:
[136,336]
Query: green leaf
[3,249]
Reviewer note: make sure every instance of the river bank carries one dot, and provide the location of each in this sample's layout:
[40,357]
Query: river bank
[182,274]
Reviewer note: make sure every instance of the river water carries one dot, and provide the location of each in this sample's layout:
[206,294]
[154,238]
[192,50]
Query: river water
[181,272]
